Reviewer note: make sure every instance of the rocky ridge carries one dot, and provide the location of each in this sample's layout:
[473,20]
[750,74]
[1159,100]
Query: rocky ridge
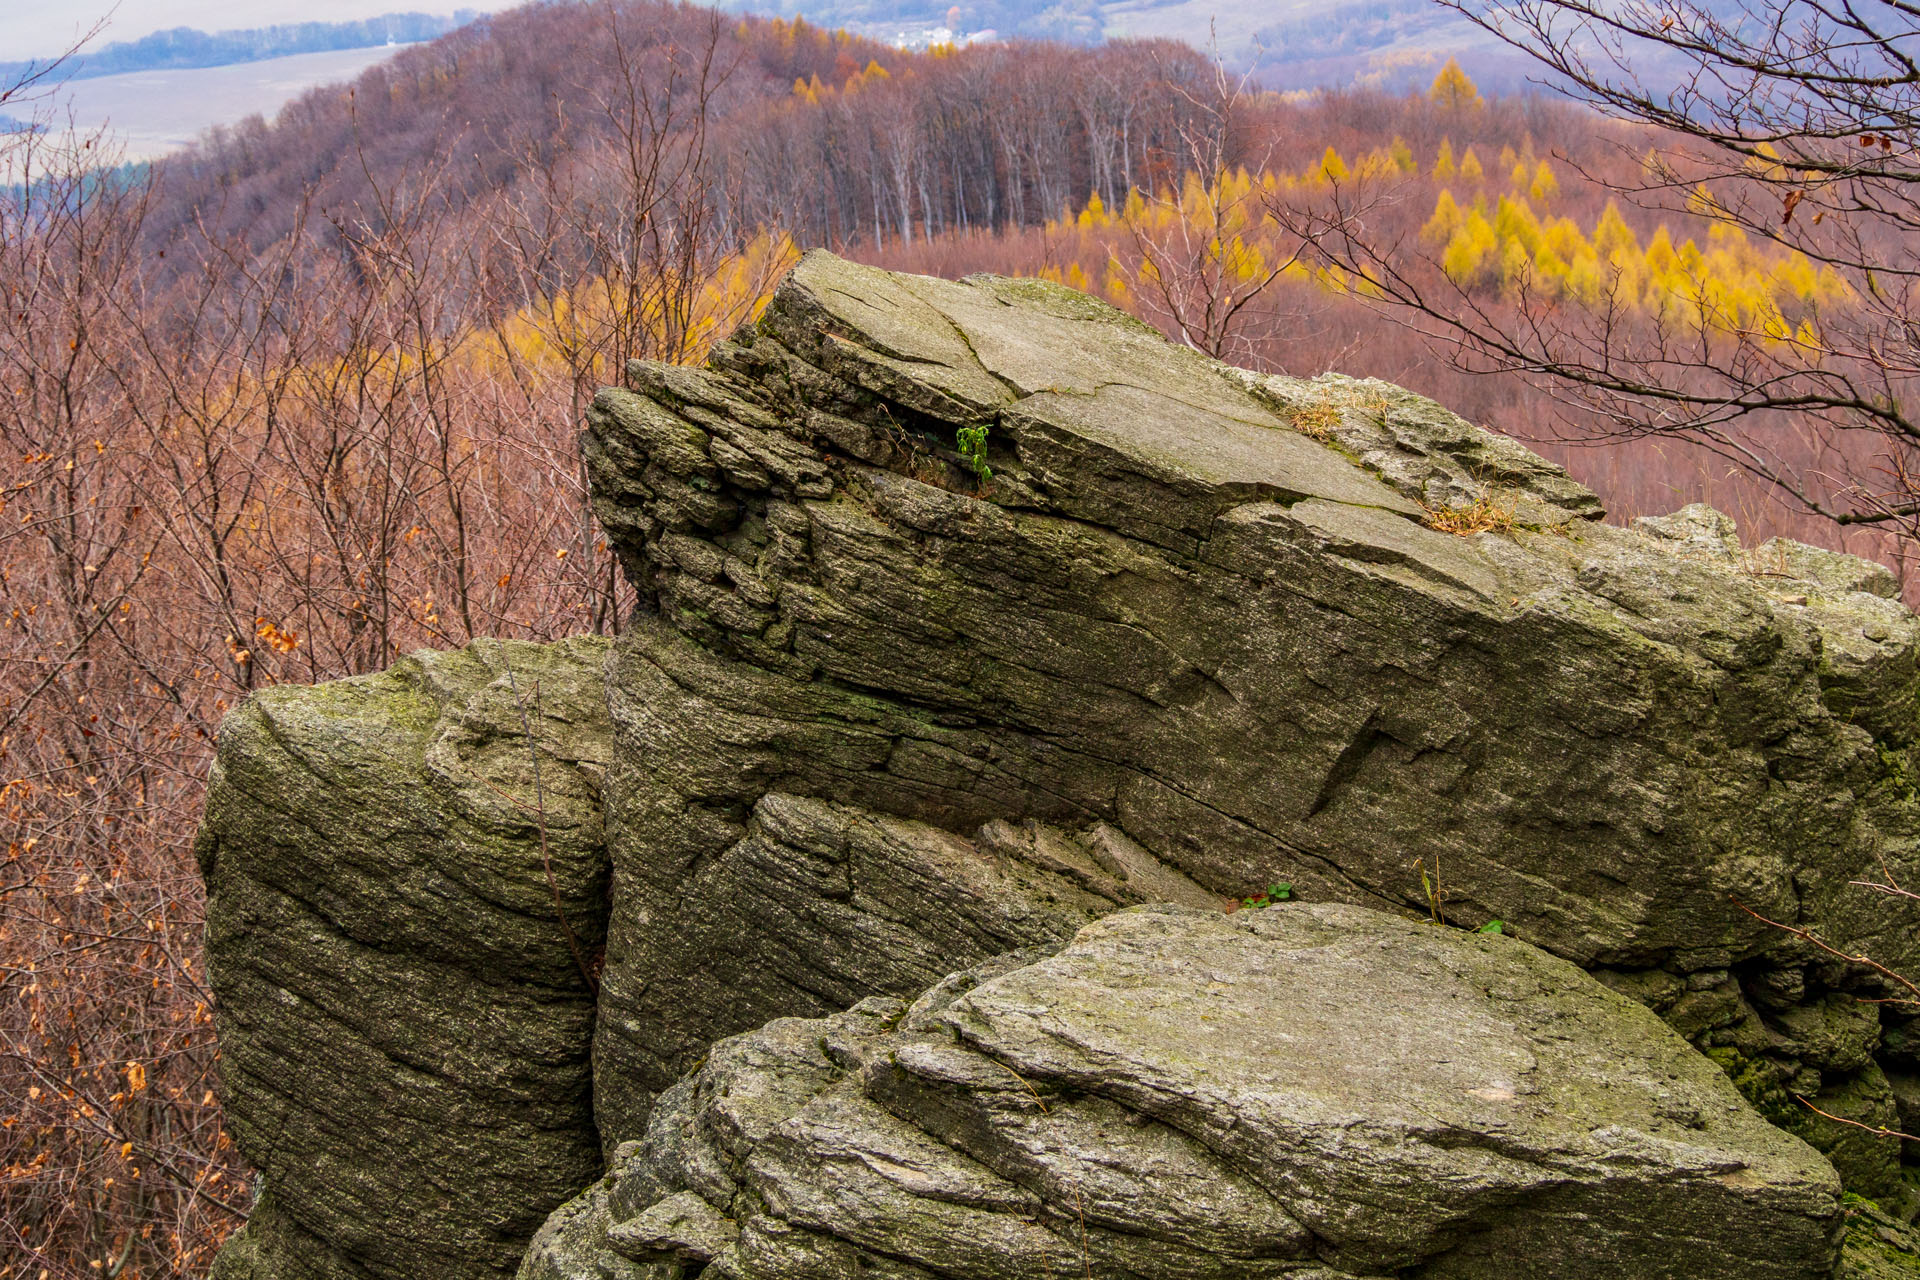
[1210,613]
[973,612]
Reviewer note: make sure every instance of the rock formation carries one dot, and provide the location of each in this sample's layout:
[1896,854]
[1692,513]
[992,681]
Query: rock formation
[1298,1091]
[970,614]
[404,1027]
[1214,618]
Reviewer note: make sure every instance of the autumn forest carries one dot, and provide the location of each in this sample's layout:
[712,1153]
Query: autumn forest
[303,398]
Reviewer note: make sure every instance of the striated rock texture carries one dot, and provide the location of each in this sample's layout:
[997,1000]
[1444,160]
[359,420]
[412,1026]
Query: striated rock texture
[404,1028]
[972,613]
[971,608]
[1303,1091]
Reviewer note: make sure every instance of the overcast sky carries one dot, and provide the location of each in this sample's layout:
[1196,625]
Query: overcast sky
[37,28]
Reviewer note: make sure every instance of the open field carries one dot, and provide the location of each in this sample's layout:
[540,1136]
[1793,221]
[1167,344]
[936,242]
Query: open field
[150,113]
[38,29]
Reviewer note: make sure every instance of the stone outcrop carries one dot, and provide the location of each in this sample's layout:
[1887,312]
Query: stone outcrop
[404,1027]
[1250,629]
[970,614]
[1298,1091]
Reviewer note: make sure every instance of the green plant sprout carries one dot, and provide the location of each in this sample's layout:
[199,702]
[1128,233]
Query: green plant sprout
[972,443]
[1282,892]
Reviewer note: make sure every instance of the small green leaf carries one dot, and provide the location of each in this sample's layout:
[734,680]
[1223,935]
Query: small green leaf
[1492,926]
[972,444]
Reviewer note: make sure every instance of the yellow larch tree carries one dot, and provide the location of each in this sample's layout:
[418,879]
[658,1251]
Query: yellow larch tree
[1452,90]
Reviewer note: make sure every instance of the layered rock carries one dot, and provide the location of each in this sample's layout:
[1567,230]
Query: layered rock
[971,613]
[394,866]
[1304,1091]
[990,555]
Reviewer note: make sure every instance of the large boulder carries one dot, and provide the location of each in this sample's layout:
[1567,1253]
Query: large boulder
[406,897]
[963,558]
[1305,1091]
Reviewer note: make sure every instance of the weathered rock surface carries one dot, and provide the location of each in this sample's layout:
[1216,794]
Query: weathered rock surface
[1205,616]
[404,1028]
[971,613]
[1879,1246]
[1321,1091]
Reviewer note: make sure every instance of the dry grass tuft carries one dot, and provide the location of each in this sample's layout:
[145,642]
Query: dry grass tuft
[1484,514]
[1317,420]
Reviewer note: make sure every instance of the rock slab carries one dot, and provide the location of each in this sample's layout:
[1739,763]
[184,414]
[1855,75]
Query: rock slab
[1306,1091]
[404,1026]
[927,556]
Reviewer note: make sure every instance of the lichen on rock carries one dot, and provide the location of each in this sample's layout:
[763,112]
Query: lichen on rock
[1295,1091]
[1215,613]
[403,1024]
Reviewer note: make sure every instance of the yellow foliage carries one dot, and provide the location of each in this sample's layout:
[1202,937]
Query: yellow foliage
[1514,220]
[1544,185]
[1701,201]
[1452,90]
[545,335]
[1402,156]
[1766,163]
[1443,165]
[1469,249]
[1245,261]
[1612,235]
[1562,238]
[1587,280]
[1516,266]
[1446,219]
[1508,242]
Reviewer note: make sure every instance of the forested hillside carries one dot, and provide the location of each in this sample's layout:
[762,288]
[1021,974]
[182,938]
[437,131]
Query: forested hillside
[305,398]
[822,134]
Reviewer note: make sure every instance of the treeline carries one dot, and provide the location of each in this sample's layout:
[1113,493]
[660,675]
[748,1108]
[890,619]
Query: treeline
[983,138]
[184,47]
[1073,21]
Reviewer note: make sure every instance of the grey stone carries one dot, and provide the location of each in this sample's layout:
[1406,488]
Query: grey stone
[404,1028]
[1208,611]
[1296,1091]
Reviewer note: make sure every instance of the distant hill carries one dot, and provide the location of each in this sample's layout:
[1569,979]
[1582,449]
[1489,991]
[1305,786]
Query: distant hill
[184,47]
[821,133]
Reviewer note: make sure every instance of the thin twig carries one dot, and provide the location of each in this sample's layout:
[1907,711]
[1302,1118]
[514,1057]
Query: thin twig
[1807,935]
[1881,1130]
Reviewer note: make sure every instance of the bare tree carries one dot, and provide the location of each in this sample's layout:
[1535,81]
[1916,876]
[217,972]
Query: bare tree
[30,87]
[1198,280]
[1796,122]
